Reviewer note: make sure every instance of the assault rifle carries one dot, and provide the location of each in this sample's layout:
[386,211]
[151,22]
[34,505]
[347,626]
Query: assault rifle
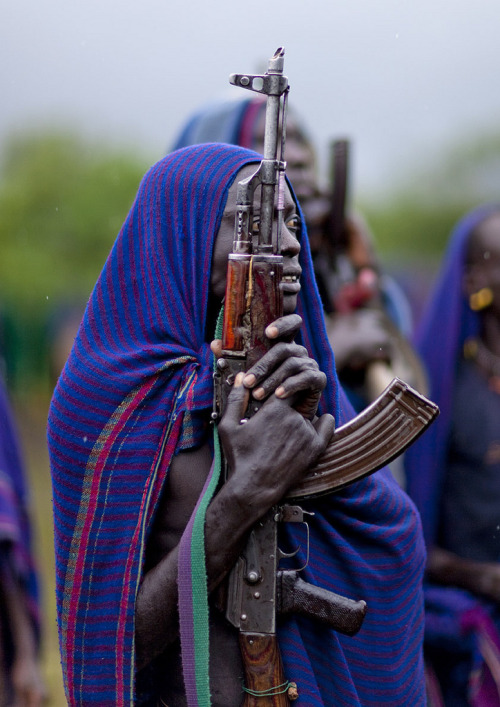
[257,588]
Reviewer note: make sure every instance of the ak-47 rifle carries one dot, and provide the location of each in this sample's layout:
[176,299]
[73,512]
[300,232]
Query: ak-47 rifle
[257,589]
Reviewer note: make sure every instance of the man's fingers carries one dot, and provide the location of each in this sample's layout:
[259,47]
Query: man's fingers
[325,427]
[307,380]
[289,369]
[273,358]
[284,328]
[216,347]
[237,401]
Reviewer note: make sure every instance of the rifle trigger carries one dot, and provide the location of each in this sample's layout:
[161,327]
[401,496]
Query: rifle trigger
[294,514]
[282,554]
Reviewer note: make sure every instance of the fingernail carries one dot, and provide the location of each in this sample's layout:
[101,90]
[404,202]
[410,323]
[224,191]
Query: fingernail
[238,381]
[272,332]
[258,393]
[280,392]
[249,380]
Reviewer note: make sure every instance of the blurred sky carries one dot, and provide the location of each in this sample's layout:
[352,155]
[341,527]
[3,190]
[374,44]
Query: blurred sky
[401,78]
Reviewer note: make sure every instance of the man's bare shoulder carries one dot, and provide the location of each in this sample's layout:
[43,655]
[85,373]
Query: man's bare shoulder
[183,486]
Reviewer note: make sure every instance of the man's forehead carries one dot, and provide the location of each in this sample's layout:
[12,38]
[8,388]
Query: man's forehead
[486,236]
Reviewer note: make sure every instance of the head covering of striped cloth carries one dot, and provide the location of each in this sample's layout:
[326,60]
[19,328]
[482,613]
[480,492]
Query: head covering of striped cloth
[15,531]
[136,388]
[445,325]
[234,122]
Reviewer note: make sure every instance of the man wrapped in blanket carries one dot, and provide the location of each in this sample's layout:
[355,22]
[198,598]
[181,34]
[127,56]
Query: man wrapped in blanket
[454,471]
[129,440]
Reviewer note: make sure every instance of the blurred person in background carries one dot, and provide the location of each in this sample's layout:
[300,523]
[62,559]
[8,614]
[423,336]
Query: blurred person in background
[20,679]
[453,472]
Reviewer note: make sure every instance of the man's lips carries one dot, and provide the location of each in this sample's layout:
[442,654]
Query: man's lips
[290,283]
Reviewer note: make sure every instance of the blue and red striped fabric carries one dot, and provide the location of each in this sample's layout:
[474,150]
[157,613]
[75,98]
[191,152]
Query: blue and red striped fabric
[137,388]
[15,530]
[233,121]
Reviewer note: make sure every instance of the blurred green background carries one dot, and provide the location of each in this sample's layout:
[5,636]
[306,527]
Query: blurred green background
[62,202]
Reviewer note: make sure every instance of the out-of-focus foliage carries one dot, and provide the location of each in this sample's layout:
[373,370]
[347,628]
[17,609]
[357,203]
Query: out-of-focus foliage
[415,222]
[405,228]
[62,202]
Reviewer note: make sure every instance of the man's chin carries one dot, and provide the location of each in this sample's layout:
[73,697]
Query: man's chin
[289,303]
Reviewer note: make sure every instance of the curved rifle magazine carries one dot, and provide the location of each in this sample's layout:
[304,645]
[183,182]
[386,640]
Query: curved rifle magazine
[379,434]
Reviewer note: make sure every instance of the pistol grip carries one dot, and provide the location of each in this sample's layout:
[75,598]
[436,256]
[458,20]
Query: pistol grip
[299,597]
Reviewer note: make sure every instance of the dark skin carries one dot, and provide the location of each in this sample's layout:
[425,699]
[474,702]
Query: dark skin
[483,270]
[25,676]
[301,166]
[361,335]
[291,385]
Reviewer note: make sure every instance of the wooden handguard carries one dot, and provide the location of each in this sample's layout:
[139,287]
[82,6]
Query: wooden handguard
[253,300]
[371,440]
[267,302]
[235,303]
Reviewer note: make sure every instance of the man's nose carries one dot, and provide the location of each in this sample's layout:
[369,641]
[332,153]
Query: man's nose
[289,244]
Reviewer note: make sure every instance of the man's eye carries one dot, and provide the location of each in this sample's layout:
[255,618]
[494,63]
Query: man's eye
[293,224]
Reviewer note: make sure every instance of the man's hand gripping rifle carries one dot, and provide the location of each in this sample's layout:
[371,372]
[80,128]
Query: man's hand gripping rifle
[257,589]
